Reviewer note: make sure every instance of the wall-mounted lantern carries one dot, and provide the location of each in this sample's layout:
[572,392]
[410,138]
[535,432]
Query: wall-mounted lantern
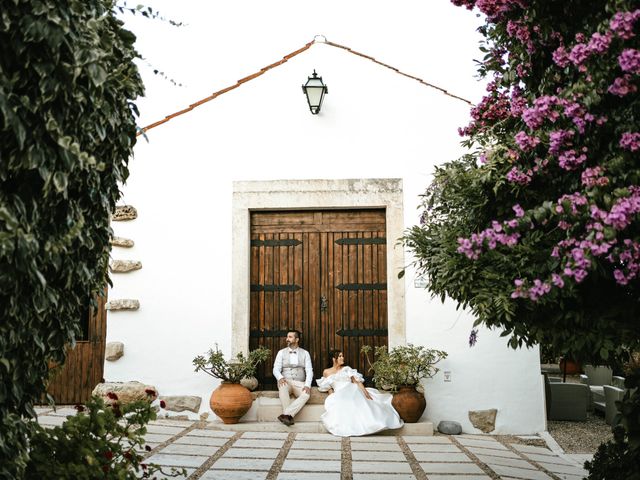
[315,91]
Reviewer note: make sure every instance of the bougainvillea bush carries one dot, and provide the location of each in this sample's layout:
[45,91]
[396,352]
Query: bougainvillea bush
[536,229]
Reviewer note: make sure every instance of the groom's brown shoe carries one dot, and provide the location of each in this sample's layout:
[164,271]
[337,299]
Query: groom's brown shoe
[286,419]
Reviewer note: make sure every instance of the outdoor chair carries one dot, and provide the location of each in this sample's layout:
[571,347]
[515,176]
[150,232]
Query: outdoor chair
[595,378]
[611,396]
[617,381]
[566,401]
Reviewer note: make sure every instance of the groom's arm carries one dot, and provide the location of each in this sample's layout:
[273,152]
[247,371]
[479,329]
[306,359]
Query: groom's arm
[308,368]
[277,366]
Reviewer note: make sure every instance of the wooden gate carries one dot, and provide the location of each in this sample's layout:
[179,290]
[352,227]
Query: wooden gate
[74,381]
[323,273]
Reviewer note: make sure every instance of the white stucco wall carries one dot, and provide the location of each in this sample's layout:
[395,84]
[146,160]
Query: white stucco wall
[374,124]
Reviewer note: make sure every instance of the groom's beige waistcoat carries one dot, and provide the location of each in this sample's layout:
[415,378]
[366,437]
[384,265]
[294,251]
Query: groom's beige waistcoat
[294,371]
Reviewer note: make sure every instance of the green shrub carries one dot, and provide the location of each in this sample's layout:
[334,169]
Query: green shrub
[101,441]
[67,130]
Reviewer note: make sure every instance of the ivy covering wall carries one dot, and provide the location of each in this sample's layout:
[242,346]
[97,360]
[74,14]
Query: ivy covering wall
[67,129]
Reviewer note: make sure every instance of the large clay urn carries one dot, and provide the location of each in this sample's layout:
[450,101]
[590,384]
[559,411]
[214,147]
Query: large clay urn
[230,401]
[409,403]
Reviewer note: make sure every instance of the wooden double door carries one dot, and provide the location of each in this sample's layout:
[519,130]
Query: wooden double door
[323,273]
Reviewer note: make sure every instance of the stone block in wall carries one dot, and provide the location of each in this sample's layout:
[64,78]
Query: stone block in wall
[124,266]
[126,392]
[122,304]
[113,351]
[180,403]
[121,242]
[124,212]
[484,420]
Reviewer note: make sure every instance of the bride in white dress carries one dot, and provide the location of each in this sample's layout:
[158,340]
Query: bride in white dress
[352,409]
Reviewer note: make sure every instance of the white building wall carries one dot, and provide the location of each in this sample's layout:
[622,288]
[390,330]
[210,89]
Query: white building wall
[374,124]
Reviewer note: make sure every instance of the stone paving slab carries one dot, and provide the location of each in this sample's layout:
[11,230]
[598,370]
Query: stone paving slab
[568,469]
[371,446]
[520,473]
[458,477]
[386,476]
[322,437]
[494,453]
[255,443]
[547,458]
[233,475]
[295,465]
[175,460]
[361,455]
[533,449]
[418,439]
[307,454]
[372,439]
[436,467]
[505,461]
[314,444]
[434,447]
[156,437]
[381,467]
[188,449]
[441,457]
[166,429]
[266,435]
[206,441]
[199,432]
[252,453]
[167,476]
[243,464]
[308,476]
[470,442]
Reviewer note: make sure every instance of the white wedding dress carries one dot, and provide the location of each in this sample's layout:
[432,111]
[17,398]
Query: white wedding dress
[348,413]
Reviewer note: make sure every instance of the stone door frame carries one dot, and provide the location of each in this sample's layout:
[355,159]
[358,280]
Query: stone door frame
[317,195]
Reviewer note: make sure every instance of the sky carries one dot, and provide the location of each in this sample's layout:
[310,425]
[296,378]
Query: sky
[222,41]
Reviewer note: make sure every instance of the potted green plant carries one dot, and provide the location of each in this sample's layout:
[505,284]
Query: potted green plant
[230,401]
[400,370]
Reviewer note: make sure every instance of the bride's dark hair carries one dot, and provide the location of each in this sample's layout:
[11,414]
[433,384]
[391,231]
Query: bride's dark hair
[333,355]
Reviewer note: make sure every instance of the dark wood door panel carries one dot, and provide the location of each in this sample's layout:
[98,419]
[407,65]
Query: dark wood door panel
[323,273]
[83,369]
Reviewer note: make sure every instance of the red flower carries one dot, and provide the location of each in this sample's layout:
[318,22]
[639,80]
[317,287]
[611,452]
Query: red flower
[108,454]
[150,391]
[112,396]
[163,404]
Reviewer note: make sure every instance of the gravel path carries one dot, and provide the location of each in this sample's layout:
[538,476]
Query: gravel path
[580,437]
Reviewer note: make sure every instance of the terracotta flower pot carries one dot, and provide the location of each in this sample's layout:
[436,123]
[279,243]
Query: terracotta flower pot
[570,367]
[230,401]
[409,403]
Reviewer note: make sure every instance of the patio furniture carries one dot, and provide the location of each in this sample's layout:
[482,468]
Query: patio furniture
[595,378]
[611,396]
[617,381]
[566,401]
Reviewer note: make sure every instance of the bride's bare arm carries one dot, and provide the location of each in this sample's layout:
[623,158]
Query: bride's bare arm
[360,385]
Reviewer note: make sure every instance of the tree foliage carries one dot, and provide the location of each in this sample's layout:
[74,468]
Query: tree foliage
[67,129]
[536,229]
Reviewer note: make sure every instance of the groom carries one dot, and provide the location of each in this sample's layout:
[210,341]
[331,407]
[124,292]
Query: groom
[292,368]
